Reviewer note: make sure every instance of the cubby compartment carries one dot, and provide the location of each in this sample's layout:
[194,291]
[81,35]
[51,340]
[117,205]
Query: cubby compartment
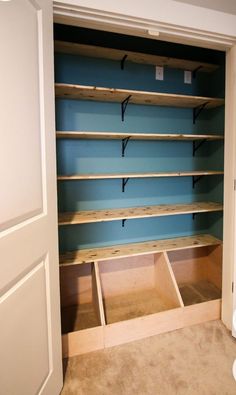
[198,272]
[137,286]
[80,308]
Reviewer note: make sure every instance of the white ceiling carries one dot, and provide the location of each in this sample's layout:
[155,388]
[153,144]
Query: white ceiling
[228,6]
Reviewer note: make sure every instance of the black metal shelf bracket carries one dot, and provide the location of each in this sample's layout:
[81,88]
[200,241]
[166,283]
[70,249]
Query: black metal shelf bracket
[193,216]
[124,145]
[123,222]
[197,146]
[123,107]
[195,180]
[196,70]
[124,182]
[197,111]
[122,62]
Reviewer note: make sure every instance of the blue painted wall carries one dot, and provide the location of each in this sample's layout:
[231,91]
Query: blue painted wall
[91,156]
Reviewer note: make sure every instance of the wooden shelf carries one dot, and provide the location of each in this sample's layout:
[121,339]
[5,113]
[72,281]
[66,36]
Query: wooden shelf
[85,92]
[91,216]
[135,249]
[135,136]
[138,175]
[135,57]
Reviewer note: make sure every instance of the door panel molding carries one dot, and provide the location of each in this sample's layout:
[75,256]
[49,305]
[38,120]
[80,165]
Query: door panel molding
[29,270]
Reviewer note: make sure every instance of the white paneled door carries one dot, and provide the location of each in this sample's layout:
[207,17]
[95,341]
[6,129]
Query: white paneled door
[30,343]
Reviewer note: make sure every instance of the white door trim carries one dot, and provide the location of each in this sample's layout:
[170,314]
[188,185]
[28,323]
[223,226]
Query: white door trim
[114,22]
[109,21]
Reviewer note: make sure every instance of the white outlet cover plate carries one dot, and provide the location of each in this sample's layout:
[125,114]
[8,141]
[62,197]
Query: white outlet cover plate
[187,77]
[159,73]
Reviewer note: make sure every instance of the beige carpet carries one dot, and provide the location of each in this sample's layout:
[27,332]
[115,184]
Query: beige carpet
[192,361]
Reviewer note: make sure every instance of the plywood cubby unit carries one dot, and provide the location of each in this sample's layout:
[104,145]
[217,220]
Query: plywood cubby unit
[118,300]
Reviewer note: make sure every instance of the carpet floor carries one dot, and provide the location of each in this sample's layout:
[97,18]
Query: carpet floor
[192,361]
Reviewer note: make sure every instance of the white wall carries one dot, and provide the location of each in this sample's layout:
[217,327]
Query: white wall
[228,6]
[164,11]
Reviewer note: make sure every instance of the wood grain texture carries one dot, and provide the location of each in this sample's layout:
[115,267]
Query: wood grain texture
[136,304]
[82,342]
[189,265]
[127,276]
[165,280]
[154,324]
[91,216]
[94,93]
[197,275]
[97,293]
[135,57]
[135,249]
[139,175]
[215,267]
[135,136]
[76,285]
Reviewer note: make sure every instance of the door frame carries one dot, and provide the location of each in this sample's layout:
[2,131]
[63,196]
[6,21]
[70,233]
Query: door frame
[77,15]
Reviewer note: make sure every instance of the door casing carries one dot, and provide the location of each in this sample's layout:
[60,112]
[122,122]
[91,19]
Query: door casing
[77,15]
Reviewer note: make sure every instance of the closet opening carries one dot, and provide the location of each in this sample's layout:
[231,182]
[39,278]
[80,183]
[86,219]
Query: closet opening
[149,114]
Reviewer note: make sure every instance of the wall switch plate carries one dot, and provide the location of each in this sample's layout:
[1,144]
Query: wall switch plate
[159,73]
[187,77]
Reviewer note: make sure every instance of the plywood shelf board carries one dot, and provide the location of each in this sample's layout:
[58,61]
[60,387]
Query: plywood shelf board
[95,93]
[139,175]
[135,249]
[91,216]
[135,57]
[136,136]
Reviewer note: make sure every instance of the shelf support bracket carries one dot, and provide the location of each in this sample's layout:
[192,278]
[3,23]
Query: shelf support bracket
[122,62]
[195,180]
[124,182]
[197,146]
[123,107]
[123,222]
[197,111]
[193,216]
[124,145]
[196,70]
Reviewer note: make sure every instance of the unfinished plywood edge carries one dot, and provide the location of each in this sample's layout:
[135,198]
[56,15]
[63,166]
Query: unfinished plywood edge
[136,136]
[170,286]
[166,321]
[138,175]
[94,93]
[135,57]
[98,291]
[92,216]
[135,249]
[82,342]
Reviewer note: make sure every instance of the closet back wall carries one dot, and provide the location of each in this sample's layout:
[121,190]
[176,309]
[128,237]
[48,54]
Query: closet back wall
[104,156]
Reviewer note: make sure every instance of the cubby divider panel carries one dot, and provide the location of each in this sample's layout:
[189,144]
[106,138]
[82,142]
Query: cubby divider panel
[198,272]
